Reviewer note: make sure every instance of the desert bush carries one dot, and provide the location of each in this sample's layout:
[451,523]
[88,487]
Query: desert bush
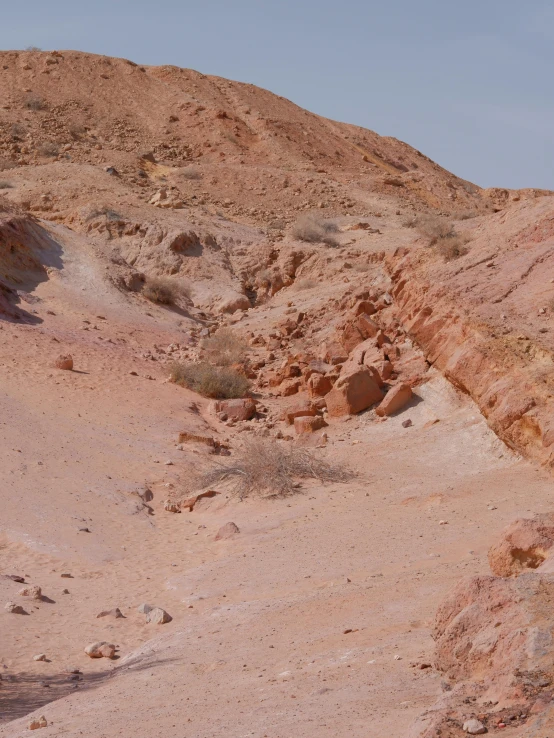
[191,173]
[97,212]
[225,348]
[267,468]
[77,131]
[5,185]
[33,48]
[452,247]
[6,164]
[434,228]
[305,284]
[35,102]
[312,228]
[48,148]
[162,290]
[210,381]
[17,131]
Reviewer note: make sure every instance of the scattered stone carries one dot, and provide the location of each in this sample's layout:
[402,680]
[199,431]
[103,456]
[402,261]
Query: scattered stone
[158,616]
[144,609]
[407,423]
[66,576]
[168,463]
[34,592]
[101,649]
[474,727]
[14,578]
[64,361]
[172,506]
[115,613]
[39,657]
[39,722]
[308,424]
[229,530]
[242,409]
[13,608]
[353,392]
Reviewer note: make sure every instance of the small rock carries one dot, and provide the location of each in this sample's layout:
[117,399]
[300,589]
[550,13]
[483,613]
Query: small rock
[64,361]
[168,462]
[36,723]
[474,727]
[115,613]
[34,592]
[66,576]
[229,530]
[13,608]
[39,657]
[407,423]
[172,506]
[158,616]
[100,649]
[144,609]
[14,578]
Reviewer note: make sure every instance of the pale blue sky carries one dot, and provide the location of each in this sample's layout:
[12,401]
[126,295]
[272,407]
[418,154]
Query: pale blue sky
[469,83]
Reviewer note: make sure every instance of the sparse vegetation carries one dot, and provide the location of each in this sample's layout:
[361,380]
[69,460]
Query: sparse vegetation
[98,212]
[5,185]
[35,102]
[48,148]
[210,381]
[225,348]
[77,131]
[270,469]
[191,173]
[17,131]
[434,228]
[312,228]
[33,48]
[162,290]
[305,284]
[6,164]
[452,246]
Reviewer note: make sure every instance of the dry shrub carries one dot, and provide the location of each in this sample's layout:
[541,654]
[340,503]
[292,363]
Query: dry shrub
[312,228]
[191,173]
[452,247]
[6,164]
[17,131]
[266,468]
[5,185]
[210,381]
[35,102]
[162,290]
[434,228]
[48,148]
[305,284]
[225,348]
[97,212]
[77,131]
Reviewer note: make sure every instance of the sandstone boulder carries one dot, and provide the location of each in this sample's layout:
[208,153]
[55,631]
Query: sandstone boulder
[367,327]
[306,424]
[64,361]
[299,410]
[34,592]
[319,385]
[229,530]
[38,722]
[158,616]
[241,409]
[101,649]
[14,609]
[524,544]
[395,400]
[353,392]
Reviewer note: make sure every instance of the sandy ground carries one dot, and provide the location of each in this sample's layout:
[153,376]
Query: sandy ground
[258,644]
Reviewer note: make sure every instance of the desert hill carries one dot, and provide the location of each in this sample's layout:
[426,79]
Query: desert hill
[389,323]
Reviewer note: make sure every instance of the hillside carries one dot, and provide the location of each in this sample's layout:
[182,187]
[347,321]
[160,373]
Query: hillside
[347,272]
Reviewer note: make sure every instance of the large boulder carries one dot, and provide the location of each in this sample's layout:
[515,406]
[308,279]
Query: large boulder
[353,392]
[395,399]
[524,544]
[242,409]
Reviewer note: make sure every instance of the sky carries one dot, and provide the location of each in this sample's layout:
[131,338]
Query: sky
[470,84]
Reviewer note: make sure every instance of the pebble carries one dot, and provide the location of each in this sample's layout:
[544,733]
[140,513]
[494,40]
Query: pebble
[474,727]
[39,657]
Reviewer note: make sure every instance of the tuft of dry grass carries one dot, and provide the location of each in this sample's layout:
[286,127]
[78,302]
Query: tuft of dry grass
[225,348]
[312,228]
[163,290]
[48,148]
[97,212]
[191,173]
[217,382]
[434,228]
[452,247]
[305,284]
[266,468]
[35,102]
